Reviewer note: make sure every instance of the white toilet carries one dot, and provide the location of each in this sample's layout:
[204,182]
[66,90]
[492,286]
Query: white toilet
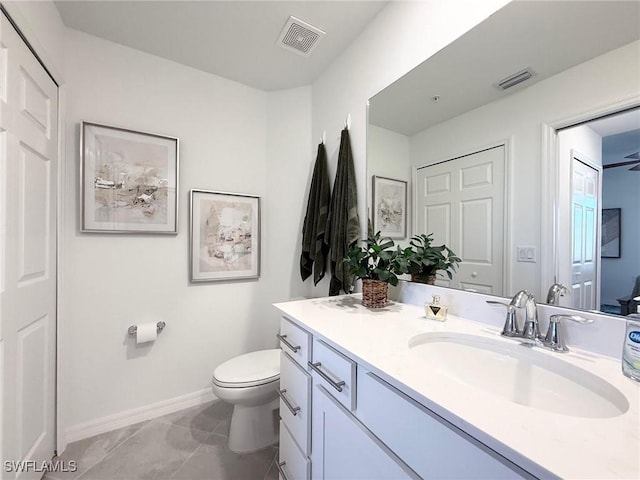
[250,382]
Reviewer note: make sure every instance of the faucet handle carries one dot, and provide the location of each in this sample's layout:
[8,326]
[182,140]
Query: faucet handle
[510,328]
[554,339]
[574,318]
[495,302]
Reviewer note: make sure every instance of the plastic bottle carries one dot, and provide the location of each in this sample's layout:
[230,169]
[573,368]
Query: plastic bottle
[631,347]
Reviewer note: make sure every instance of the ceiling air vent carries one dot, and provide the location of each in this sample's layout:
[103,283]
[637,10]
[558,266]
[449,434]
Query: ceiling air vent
[515,79]
[299,36]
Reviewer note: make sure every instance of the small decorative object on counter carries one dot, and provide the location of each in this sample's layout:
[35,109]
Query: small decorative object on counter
[435,310]
[631,347]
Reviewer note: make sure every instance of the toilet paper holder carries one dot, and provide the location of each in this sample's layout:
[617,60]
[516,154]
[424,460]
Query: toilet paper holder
[133,329]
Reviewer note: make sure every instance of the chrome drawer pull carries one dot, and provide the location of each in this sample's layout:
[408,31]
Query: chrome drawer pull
[281,469]
[283,338]
[294,410]
[316,368]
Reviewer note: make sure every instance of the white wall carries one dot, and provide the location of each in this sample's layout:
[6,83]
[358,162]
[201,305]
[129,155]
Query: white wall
[519,117]
[401,36]
[291,156]
[388,155]
[114,281]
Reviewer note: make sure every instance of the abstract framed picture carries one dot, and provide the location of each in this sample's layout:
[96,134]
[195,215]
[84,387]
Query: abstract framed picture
[225,236]
[129,180]
[610,233]
[389,207]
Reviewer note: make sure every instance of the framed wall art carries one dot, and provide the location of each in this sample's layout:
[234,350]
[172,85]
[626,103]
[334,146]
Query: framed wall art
[390,207]
[610,233]
[225,236]
[129,180]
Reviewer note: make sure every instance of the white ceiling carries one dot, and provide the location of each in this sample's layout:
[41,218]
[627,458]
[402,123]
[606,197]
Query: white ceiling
[615,124]
[548,37]
[232,39]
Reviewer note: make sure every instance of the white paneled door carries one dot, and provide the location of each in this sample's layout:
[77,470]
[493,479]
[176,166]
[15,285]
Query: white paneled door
[28,191]
[585,233]
[461,201]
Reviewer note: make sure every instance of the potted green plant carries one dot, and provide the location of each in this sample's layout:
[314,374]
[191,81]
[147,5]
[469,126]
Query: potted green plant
[378,264]
[424,260]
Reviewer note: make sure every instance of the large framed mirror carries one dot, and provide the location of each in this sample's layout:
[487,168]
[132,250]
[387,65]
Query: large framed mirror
[490,135]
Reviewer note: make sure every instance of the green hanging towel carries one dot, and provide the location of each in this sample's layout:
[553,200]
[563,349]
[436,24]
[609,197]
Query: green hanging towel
[314,248]
[343,224]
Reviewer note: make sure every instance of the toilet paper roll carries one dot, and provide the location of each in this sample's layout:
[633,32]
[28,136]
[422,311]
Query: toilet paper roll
[147,332]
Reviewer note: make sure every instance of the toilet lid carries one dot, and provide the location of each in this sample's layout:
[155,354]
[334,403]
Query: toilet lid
[248,370]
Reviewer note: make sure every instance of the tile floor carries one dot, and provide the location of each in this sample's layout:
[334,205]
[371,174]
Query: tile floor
[186,445]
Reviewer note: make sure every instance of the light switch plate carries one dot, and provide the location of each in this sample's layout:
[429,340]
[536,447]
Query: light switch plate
[526,254]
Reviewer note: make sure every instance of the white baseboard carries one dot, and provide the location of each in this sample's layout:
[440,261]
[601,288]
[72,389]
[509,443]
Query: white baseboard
[136,415]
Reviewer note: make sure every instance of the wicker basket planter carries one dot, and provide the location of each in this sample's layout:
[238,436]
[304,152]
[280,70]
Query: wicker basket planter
[431,279]
[375,293]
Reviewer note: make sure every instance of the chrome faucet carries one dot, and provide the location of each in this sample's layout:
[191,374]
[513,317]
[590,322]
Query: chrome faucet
[531,328]
[556,291]
[519,300]
[554,339]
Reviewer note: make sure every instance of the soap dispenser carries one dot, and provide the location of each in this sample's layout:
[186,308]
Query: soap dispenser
[435,310]
[631,347]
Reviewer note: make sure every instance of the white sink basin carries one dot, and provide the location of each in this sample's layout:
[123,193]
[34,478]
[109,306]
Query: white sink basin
[518,374]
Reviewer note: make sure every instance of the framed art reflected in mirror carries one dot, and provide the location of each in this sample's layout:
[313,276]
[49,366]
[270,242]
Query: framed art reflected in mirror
[389,207]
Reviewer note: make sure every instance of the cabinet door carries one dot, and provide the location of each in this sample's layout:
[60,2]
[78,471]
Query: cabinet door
[342,448]
[292,464]
[295,401]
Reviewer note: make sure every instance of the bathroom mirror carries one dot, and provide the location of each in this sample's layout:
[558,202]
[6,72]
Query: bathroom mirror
[574,58]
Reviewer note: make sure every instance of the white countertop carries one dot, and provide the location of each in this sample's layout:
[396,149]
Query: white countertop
[543,443]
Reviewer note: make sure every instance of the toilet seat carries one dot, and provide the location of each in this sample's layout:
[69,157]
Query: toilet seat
[249,370]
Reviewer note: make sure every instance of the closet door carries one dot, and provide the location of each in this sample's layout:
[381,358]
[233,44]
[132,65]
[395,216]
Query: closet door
[28,192]
[461,201]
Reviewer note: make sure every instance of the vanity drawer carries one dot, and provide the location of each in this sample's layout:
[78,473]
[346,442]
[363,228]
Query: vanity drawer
[295,341]
[292,463]
[431,446]
[336,372]
[295,401]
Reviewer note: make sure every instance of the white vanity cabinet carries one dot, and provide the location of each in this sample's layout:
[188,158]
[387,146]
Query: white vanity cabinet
[431,446]
[343,448]
[341,421]
[295,403]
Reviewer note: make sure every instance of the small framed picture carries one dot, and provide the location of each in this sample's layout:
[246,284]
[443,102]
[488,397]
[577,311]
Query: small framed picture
[610,233]
[390,207]
[129,181]
[225,236]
